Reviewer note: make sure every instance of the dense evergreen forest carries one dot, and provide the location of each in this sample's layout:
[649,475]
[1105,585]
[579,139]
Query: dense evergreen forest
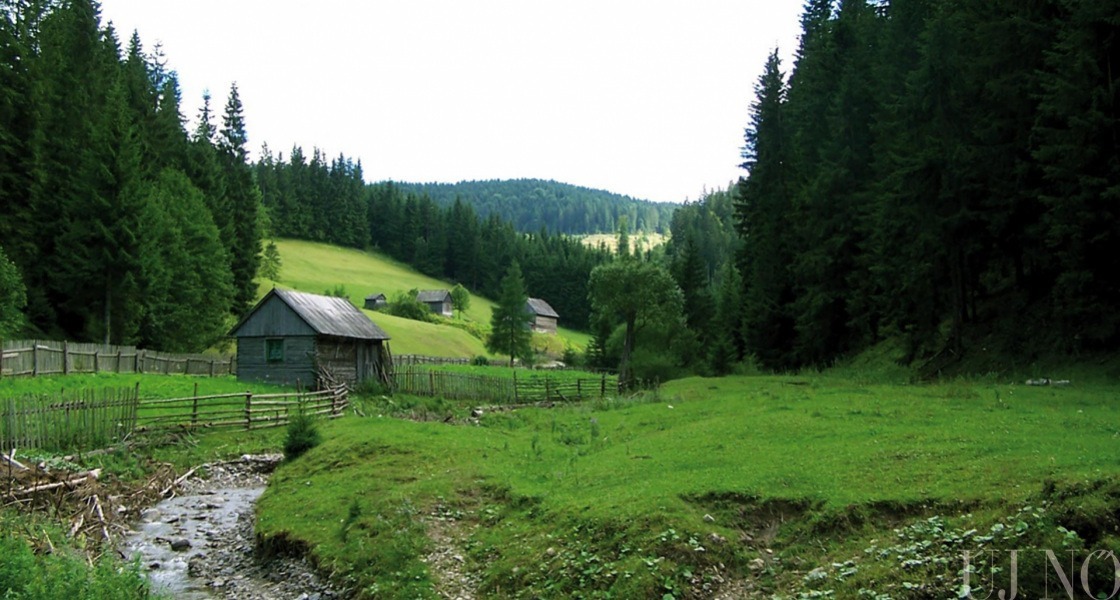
[117,225]
[532,204]
[945,171]
[316,199]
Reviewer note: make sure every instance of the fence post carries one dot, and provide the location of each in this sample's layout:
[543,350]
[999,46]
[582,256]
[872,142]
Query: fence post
[515,387]
[431,383]
[603,387]
[248,409]
[139,361]
[120,369]
[194,406]
[34,357]
[211,367]
[65,357]
[96,361]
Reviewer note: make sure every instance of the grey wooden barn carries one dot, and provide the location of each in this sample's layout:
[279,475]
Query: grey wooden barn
[292,337]
[544,317]
[438,300]
[376,302]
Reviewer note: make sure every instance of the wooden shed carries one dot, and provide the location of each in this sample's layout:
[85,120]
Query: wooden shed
[376,301]
[292,337]
[438,300]
[544,318]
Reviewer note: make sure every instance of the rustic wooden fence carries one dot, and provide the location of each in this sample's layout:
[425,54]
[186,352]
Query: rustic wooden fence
[41,357]
[86,419]
[81,419]
[244,410]
[408,360]
[501,390]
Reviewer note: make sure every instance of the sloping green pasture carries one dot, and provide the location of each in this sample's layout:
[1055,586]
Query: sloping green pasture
[315,267]
[756,479]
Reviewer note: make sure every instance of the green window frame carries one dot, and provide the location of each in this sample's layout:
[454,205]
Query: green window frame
[274,350]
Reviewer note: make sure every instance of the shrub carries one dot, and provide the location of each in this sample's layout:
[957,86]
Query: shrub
[572,357]
[480,361]
[406,305]
[303,435]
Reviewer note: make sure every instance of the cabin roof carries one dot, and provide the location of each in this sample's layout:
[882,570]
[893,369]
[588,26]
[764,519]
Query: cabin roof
[326,315]
[541,308]
[429,296]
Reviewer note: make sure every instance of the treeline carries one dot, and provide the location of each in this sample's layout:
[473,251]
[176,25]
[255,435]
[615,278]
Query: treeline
[936,170]
[327,202]
[533,204]
[120,226]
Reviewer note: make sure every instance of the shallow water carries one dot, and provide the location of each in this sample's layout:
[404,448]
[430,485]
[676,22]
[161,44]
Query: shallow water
[197,519]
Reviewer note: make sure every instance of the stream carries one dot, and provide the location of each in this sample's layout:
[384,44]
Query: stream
[201,544]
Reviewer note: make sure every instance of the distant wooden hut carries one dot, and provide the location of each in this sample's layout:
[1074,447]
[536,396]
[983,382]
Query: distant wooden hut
[437,300]
[376,302]
[544,318]
[292,337]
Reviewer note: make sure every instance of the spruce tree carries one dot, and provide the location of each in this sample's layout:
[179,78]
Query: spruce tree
[509,324]
[242,200]
[763,213]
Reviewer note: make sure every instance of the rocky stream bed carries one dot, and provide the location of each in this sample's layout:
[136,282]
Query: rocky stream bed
[200,542]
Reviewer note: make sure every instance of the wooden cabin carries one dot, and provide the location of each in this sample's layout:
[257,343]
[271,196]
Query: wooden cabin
[293,338]
[376,301]
[544,318]
[437,300]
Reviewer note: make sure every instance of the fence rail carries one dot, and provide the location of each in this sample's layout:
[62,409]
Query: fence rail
[89,420]
[501,390]
[407,360]
[42,357]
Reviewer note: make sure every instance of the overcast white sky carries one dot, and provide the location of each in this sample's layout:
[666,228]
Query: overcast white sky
[643,98]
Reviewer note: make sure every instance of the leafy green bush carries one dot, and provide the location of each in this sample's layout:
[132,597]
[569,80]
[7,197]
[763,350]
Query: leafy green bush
[480,361]
[303,435]
[405,305]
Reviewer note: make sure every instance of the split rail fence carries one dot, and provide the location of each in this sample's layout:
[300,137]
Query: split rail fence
[525,389]
[87,419]
[41,357]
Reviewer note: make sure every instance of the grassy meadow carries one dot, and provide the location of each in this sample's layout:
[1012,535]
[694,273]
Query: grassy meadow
[316,267]
[756,479]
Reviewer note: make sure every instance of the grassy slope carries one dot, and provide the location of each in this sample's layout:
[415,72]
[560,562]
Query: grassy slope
[314,267]
[621,480]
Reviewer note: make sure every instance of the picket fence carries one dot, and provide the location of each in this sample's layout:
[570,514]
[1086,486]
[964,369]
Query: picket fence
[88,419]
[521,389]
[44,357]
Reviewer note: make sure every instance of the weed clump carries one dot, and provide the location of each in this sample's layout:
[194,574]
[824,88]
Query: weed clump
[303,435]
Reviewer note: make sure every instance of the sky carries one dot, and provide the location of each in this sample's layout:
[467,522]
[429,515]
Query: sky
[643,98]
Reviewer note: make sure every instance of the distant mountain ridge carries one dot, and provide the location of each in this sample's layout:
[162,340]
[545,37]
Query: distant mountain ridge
[530,204]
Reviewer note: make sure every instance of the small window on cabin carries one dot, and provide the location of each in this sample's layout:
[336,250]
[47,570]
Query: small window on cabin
[274,350]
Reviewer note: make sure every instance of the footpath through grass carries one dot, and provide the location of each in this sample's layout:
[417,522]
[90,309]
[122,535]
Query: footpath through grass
[755,479]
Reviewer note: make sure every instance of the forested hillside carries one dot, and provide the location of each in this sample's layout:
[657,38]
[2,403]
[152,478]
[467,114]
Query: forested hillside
[533,204]
[314,199]
[117,225]
[938,171]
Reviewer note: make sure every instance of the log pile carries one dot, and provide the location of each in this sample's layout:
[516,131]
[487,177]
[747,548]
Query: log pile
[96,509]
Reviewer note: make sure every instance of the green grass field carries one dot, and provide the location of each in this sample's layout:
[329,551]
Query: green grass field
[615,499]
[315,267]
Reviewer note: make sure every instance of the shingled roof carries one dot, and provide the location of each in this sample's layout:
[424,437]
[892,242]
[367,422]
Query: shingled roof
[429,296]
[326,315]
[541,308]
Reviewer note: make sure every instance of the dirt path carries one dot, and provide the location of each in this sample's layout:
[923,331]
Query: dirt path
[446,561]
